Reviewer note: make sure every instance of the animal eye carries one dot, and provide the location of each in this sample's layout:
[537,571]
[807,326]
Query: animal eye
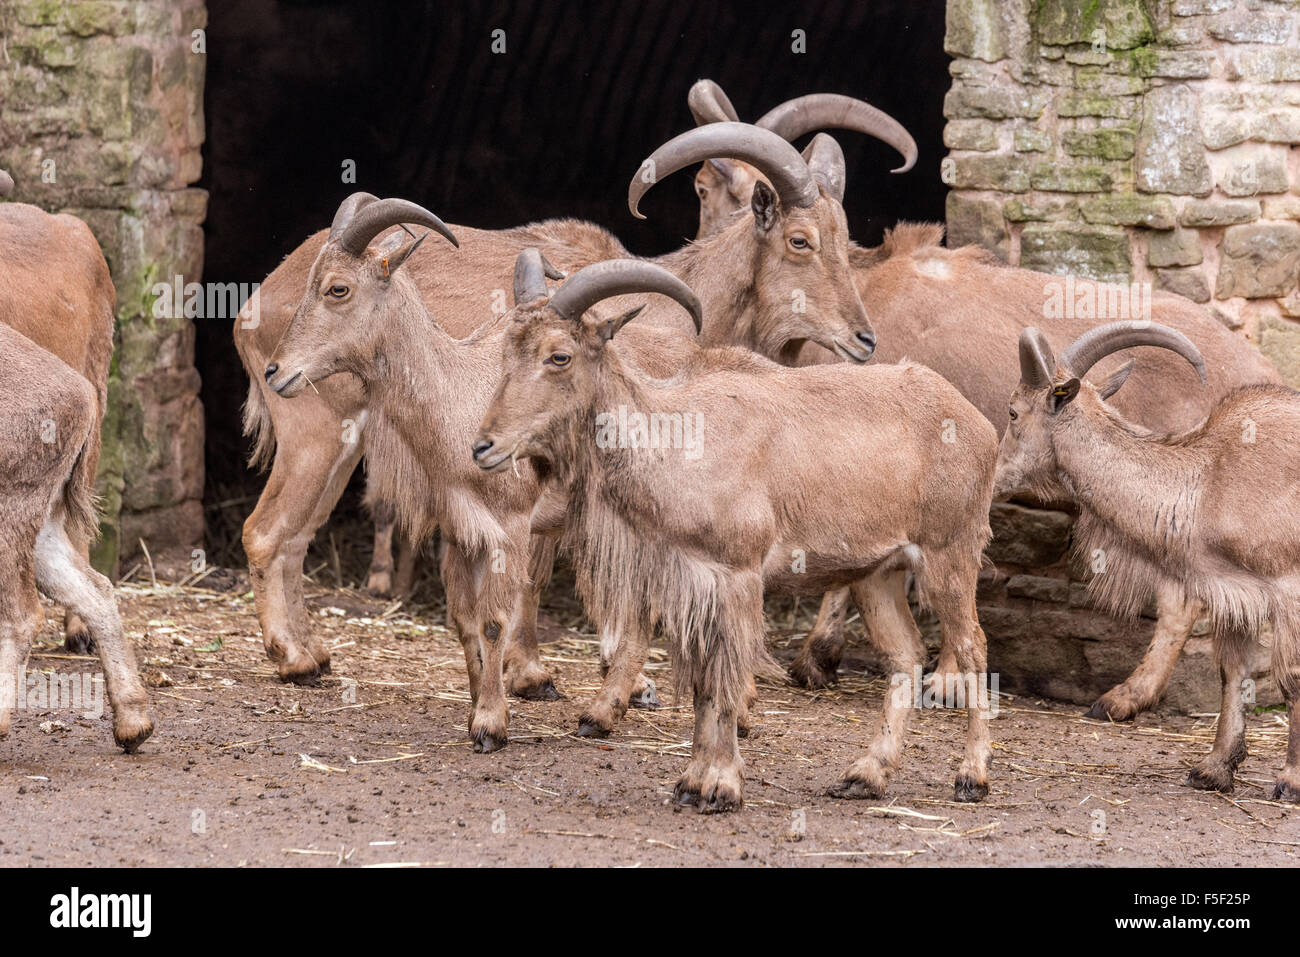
[559,359]
[1012,413]
[336,291]
[799,243]
[703,191]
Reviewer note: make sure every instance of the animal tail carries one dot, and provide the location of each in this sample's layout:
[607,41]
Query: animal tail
[80,503]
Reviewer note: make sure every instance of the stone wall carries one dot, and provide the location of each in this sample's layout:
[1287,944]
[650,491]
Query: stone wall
[1127,141]
[101,116]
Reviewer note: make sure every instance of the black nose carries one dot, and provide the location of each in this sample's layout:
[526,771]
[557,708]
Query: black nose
[273,368]
[868,339]
[481,448]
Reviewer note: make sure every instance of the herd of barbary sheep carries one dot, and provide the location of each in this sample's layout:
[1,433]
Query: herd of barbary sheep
[814,472]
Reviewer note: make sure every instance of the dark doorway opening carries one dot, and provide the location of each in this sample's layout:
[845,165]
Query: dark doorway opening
[412,92]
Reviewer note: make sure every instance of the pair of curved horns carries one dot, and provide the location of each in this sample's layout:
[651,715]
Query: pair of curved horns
[361,217]
[816,111]
[599,281]
[1037,367]
[774,157]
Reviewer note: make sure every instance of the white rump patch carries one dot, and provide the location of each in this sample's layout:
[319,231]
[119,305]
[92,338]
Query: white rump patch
[934,268]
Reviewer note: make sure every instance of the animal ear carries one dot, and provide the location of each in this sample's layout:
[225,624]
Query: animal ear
[611,326]
[1111,385]
[1062,393]
[713,174]
[391,261]
[765,206]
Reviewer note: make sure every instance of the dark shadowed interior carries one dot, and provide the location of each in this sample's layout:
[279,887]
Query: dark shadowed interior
[557,125]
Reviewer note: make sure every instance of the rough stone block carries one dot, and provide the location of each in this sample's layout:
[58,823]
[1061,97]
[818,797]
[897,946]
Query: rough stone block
[1169,154]
[1279,340]
[1028,537]
[1219,213]
[1151,212]
[1097,252]
[1189,282]
[1178,247]
[1106,143]
[1259,260]
[979,222]
[980,135]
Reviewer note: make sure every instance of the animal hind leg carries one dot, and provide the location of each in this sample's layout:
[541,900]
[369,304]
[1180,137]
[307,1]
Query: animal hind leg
[63,574]
[1216,769]
[625,667]
[819,659]
[1144,688]
[882,601]
[526,676]
[20,617]
[1286,669]
[379,581]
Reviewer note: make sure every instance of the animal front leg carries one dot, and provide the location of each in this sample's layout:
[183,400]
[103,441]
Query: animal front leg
[1215,771]
[1286,670]
[306,481]
[819,660]
[1144,688]
[66,577]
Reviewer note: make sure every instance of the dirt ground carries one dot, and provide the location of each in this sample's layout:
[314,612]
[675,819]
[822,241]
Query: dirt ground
[373,767]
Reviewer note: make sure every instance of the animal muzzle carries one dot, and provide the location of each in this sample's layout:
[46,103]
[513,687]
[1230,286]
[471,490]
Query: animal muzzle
[487,454]
[283,383]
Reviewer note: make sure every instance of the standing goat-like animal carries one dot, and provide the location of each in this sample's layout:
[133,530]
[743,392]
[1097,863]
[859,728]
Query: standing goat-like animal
[1214,510]
[956,311]
[771,281]
[47,493]
[58,293]
[425,393]
[805,478]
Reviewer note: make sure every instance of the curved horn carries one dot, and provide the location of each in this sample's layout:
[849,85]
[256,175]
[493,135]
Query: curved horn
[618,277]
[825,160]
[531,272]
[1095,344]
[371,219]
[6,183]
[709,104]
[773,156]
[347,209]
[831,111]
[1036,362]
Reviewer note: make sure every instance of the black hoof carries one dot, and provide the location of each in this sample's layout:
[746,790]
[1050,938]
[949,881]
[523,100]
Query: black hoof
[647,700]
[79,643]
[854,790]
[590,729]
[304,679]
[1285,791]
[485,742]
[1204,779]
[684,797]
[814,677]
[546,691]
[719,805]
[325,668]
[969,791]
